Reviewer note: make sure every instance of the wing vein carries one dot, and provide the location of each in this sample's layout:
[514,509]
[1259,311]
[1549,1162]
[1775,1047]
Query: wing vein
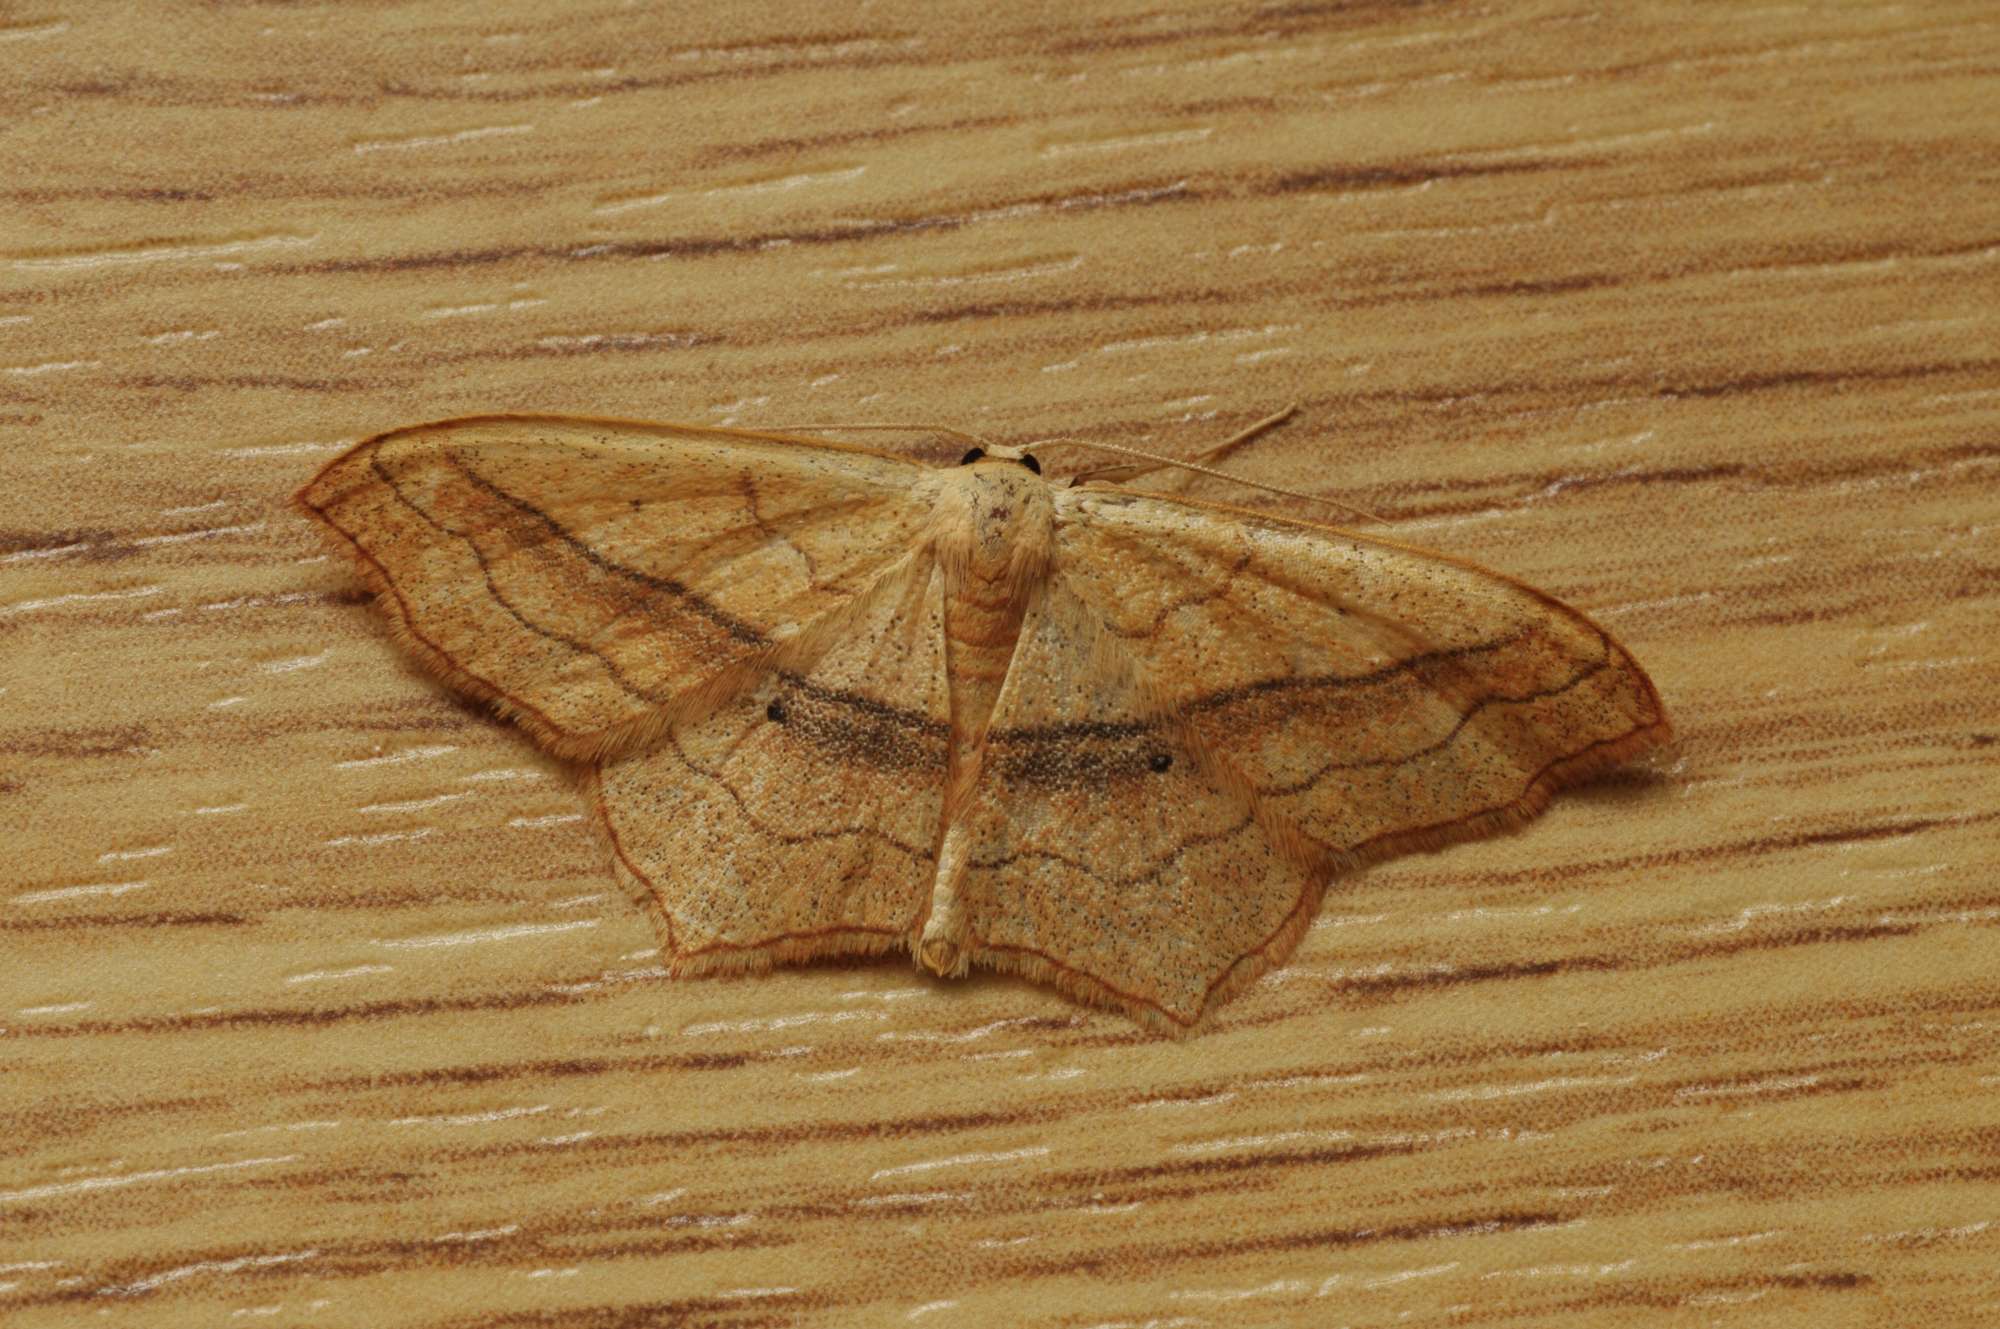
[1590,670]
[500,598]
[734,626]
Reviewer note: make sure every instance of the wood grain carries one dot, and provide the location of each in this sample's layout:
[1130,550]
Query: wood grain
[320,1004]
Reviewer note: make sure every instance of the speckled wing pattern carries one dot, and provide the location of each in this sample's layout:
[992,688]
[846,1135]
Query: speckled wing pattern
[588,577]
[1215,710]
[800,817]
[1113,853]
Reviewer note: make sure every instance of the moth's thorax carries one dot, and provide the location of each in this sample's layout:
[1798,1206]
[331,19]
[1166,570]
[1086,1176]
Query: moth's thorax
[993,524]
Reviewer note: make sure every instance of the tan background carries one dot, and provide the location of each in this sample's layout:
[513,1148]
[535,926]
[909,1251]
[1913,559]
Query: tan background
[318,1002]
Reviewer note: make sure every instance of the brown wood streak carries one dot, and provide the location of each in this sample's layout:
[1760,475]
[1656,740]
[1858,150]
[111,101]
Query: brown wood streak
[316,1006]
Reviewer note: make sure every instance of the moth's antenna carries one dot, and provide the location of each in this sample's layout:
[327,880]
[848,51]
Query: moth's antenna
[1199,469]
[939,429]
[1212,455]
[1157,460]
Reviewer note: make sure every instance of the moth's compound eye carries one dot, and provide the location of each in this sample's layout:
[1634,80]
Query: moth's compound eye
[1028,460]
[776,712]
[972,456]
[1161,762]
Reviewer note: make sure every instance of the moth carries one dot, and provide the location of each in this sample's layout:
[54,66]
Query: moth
[833,701]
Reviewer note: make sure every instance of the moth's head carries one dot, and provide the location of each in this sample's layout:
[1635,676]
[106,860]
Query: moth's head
[993,517]
[994,453]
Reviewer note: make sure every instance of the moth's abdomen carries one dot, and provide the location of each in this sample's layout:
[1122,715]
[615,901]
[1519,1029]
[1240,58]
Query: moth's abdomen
[994,527]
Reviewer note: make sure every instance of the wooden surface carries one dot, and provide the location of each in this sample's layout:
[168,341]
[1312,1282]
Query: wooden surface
[319,1004]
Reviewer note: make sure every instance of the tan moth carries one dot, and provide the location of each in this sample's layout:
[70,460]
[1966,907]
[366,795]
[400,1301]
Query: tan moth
[834,701]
